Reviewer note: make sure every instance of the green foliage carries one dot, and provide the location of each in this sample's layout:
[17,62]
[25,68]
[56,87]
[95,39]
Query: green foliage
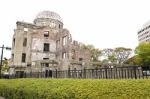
[143,51]
[112,58]
[122,54]
[135,60]
[118,55]
[74,89]
[95,52]
[5,66]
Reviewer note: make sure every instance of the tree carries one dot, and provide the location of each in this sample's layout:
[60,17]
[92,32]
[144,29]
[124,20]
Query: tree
[95,52]
[122,54]
[5,65]
[112,58]
[107,52]
[135,60]
[117,55]
[143,51]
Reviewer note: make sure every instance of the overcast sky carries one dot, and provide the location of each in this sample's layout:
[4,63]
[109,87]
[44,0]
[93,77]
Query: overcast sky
[103,23]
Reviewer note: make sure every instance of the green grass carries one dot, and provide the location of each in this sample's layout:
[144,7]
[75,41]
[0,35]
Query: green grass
[74,89]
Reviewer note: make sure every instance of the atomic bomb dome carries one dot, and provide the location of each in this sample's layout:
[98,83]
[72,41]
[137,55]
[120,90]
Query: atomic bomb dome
[44,17]
[44,46]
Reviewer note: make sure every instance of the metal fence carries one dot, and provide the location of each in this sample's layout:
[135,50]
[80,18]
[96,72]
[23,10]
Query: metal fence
[128,72]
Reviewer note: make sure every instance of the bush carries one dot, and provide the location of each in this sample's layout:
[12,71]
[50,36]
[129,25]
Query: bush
[74,89]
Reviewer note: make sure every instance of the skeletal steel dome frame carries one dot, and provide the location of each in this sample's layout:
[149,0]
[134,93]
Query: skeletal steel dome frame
[49,15]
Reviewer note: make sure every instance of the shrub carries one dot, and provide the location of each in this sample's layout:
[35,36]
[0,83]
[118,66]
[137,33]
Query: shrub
[74,89]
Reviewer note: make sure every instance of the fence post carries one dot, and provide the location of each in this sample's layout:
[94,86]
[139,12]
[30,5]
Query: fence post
[81,74]
[116,72]
[96,73]
[56,73]
[84,73]
[135,72]
[31,73]
[106,73]
[125,73]
[69,72]
[142,72]
[131,71]
[122,70]
[111,72]
[92,76]
[100,73]
[139,73]
[119,73]
[128,72]
[75,73]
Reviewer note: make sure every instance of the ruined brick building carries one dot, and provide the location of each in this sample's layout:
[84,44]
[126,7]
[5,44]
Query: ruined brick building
[45,43]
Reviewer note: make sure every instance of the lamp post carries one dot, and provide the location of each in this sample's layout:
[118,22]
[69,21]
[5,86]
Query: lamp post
[7,48]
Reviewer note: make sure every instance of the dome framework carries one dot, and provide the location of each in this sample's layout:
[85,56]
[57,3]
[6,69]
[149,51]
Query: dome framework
[48,15]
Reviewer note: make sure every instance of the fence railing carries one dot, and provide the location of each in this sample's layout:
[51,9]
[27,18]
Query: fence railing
[102,73]
[128,72]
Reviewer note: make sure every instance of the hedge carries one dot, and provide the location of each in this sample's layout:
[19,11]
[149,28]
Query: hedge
[74,89]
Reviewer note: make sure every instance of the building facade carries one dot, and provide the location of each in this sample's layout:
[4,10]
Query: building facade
[45,43]
[144,33]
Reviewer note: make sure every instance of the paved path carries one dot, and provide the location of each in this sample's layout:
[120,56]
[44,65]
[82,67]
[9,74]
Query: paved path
[2,98]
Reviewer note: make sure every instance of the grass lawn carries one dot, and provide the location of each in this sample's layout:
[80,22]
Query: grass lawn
[74,89]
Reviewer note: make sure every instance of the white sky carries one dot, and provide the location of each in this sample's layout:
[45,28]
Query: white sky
[103,23]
